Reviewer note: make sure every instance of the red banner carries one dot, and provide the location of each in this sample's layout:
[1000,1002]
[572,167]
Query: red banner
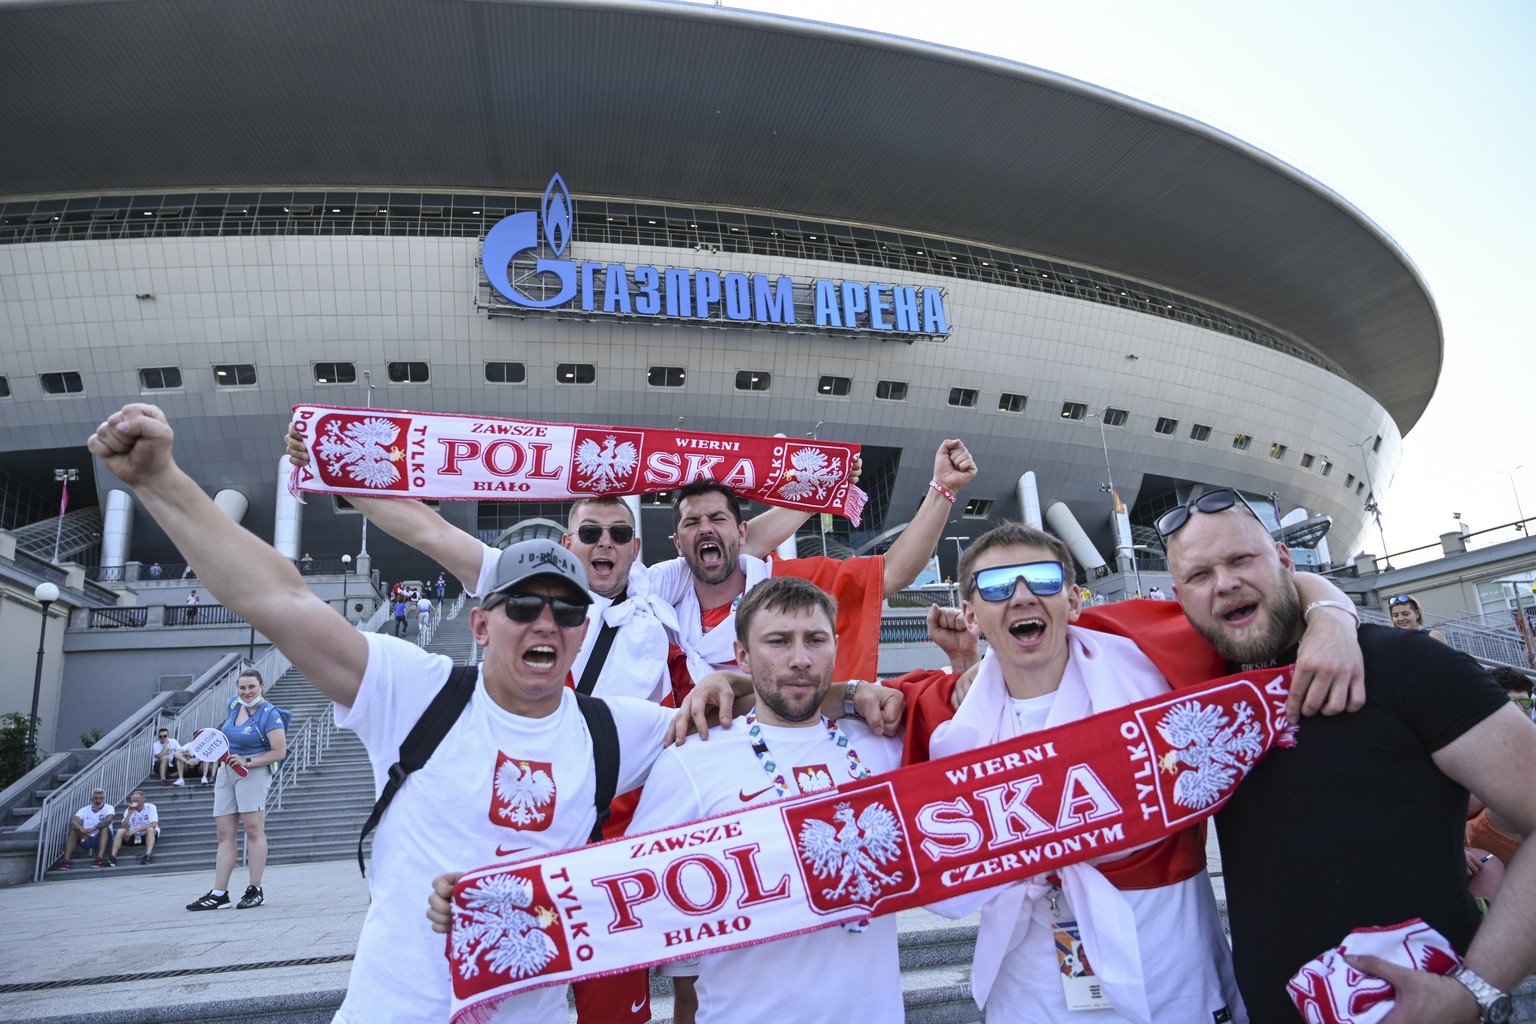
[386,453]
[1017,809]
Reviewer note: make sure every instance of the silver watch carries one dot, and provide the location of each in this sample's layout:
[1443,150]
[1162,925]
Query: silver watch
[850,688]
[1495,1006]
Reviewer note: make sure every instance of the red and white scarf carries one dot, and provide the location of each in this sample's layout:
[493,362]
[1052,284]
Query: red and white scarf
[388,453]
[1004,813]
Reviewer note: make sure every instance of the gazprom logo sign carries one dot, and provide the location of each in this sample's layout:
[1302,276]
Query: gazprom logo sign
[526,265]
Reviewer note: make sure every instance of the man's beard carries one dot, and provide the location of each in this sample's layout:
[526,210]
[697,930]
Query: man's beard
[787,712]
[1257,648]
[729,561]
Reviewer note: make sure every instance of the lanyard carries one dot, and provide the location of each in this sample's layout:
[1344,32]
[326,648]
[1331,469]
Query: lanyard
[856,769]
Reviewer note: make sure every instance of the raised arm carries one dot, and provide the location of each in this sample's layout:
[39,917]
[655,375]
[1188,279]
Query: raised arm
[244,573]
[953,468]
[411,522]
[1330,670]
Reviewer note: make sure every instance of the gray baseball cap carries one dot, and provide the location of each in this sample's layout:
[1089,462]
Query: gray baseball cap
[531,559]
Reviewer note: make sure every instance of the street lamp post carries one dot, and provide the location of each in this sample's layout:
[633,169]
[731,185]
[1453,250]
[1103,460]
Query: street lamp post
[958,553]
[1373,506]
[46,594]
[368,378]
[65,477]
[346,570]
[1519,512]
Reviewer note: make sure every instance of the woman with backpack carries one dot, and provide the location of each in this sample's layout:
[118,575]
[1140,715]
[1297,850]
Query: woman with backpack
[257,740]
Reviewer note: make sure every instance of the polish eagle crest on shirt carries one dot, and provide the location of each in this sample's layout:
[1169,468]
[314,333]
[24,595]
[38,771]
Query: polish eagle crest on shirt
[812,778]
[522,794]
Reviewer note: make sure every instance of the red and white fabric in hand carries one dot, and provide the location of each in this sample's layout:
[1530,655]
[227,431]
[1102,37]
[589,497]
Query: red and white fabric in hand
[1329,991]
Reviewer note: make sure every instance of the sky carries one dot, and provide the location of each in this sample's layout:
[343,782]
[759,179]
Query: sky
[1419,114]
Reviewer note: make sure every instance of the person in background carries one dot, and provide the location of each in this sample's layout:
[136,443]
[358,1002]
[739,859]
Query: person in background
[257,741]
[91,828]
[166,752]
[1406,614]
[141,827]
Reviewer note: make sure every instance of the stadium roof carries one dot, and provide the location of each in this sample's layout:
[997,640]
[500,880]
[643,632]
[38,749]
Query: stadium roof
[705,106]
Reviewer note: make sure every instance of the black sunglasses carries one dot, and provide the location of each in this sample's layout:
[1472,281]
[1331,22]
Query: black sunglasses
[1219,500]
[998,583]
[591,533]
[528,607]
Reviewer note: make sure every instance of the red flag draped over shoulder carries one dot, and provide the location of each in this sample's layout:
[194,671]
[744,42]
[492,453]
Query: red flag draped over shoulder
[389,453]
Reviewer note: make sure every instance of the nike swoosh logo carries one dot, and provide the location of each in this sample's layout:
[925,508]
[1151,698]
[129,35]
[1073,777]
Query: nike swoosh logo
[638,1006]
[507,853]
[747,798]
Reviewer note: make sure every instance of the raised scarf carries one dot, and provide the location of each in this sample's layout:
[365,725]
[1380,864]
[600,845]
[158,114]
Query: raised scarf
[388,453]
[1004,813]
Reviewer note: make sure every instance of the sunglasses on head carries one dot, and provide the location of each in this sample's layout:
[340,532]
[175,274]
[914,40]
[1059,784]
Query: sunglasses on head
[1219,500]
[528,607]
[591,533]
[998,583]
[1405,599]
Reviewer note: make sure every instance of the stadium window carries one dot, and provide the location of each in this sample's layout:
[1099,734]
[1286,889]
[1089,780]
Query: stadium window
[1327,467]
[1199,432]
[1359,488]
[505,373]
[1114,417]
[1377,446]
[891,390]
[65,383]
[965,398]
[828,386]
[978,508]
[409,373]
[1073,410]
[1307,460]
[234,375]
[753,380]
[1277,450]
[575,373]
[5,387]
[335,373]
[666,376]
[1241,441]
[1166,425]
[1349,481]
[1012,403]
[160,378]
[659,498]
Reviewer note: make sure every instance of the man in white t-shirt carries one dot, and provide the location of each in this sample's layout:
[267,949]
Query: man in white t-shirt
[140,827]
[516,771]
[163,752]
[91,828]
[836,974]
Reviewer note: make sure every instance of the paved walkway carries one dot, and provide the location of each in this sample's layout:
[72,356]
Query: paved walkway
[313,913]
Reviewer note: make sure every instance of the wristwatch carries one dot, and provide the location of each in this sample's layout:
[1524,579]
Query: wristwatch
[1496,1006]
[850,688]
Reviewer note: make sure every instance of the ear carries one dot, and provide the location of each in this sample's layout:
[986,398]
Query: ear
[969,615]
[1074,602]
[479,626]
[743,659]
[565,541]
[1285,557]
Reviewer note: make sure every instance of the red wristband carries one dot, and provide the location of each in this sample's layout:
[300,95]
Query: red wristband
[948,494]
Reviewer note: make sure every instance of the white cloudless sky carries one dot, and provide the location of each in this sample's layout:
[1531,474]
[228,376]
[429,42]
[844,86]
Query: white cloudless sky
[1422,115]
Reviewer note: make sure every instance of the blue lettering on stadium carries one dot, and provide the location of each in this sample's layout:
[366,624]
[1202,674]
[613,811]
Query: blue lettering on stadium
[520,276]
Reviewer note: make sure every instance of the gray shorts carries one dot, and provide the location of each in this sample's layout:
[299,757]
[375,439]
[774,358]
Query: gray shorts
[234,795]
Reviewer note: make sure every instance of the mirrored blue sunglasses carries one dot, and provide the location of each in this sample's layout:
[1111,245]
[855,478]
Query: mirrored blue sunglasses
[997,583]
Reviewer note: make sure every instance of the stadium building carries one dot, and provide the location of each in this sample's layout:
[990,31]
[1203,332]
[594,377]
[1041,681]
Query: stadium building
[668,215]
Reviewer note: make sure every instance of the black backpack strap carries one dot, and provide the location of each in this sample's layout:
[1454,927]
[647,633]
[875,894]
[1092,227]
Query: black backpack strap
[599,656]
[422,740]
[605,756]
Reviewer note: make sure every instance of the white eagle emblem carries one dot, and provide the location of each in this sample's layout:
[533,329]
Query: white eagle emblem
[812,779]
[361,451]
[523,789]
[812,473]
[854,852]
[604,467]
[493,925]
[1217,754]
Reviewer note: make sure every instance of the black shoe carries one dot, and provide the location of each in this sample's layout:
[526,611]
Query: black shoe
[252,898]
[209,902]
[145,859]
[109,862]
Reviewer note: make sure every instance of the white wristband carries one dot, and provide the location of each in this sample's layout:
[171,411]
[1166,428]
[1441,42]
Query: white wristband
[1342,606]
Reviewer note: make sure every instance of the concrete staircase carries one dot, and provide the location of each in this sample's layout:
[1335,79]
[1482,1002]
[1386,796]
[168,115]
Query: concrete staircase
[322,812]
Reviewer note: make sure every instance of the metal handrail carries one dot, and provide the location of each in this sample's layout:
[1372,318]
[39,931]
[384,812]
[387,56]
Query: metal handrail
[124,764]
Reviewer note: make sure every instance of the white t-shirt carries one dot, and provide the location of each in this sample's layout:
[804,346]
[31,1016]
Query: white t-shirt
[423,607]
[146,815]
[636,665]
[90,817]
[468,807]
[169,744]
[832,975]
